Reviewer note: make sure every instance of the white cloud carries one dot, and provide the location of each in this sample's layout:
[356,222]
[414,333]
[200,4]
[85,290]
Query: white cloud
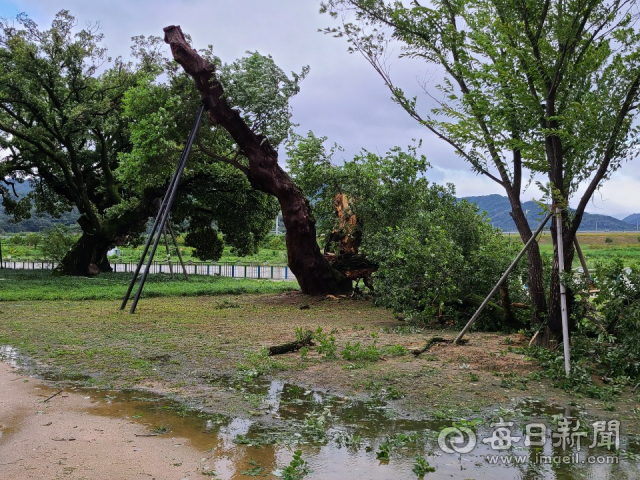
[342,98]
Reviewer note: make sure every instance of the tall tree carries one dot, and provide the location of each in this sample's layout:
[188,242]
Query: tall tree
[530,87]
[214,196]
[61,128]
[107,142]
[257,159]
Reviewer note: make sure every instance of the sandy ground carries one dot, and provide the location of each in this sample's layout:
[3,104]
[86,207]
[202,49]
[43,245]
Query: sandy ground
[62,439]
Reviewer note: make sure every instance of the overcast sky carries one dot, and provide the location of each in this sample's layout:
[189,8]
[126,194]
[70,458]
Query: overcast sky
[342,98]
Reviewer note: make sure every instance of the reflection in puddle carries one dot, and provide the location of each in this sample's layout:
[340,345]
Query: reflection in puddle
[342,438]
[9,354]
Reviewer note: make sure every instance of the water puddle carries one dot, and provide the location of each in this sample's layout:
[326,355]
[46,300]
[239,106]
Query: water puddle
[344,438]
[9,354]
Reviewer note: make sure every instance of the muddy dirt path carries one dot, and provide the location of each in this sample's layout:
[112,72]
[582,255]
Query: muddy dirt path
[62,438]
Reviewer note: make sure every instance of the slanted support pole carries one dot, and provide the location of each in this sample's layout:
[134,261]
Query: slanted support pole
[583,262]
[161,218]
[175,242]
[501,281]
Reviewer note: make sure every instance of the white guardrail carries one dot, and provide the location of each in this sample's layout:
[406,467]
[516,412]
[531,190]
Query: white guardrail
[231,270]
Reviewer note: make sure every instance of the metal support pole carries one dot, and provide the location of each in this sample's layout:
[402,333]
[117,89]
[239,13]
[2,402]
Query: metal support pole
[583,261]
[563,295]
[166,244]
[162,216]
[175,242]
[502,279]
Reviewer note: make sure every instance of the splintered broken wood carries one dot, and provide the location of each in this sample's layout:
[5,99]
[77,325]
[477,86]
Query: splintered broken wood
[430,343]
[291,346]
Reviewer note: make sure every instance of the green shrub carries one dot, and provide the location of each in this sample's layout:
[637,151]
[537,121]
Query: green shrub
[275,242]
[618,309]
[358,352]
[326,343]
[57,241]
[33,239]
[17,240]
[606,342]
[429,263]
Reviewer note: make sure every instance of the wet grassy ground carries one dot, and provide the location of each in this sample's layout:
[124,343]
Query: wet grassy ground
[207,353]
[250,411]
[190,346]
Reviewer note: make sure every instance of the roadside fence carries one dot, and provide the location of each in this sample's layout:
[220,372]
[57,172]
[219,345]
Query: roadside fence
[231,270]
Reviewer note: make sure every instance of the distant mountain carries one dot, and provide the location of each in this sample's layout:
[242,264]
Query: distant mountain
[633,219]
[37,222]
[21,188]
[498,211]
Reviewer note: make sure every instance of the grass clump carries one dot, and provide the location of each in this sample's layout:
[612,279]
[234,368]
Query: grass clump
[326,343]
[356,351]
[258,363]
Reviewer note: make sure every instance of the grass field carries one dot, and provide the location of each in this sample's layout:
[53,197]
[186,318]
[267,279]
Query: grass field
[23,285]
[600,247]
[629,239]
[132,254]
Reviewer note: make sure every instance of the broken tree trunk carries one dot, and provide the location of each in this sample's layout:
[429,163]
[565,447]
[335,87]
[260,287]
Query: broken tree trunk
[347,236]
[313,272]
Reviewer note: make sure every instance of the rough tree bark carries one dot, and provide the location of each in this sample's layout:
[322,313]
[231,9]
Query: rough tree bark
[535,270]
[88,256]
[314,274]
[347,236]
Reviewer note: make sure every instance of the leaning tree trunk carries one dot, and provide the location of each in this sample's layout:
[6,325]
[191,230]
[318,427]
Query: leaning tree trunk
[536,278]
[314,274]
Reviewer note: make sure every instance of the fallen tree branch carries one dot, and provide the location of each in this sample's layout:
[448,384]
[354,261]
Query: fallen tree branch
[57,393]
[291,346]
[429,345]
